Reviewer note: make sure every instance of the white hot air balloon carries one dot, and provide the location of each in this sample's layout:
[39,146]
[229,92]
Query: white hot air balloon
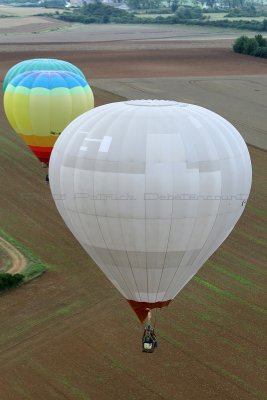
[150,189]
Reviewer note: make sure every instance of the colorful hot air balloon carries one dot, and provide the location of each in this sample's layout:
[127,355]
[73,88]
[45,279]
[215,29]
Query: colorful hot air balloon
[40,104]
[150,189]
[40,64]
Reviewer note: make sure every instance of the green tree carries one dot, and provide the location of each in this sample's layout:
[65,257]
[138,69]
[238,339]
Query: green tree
[240,43]
[134,4]
[144,4]
[147,4]
[261,52]
[7,280]
[174,5]
[261,41]
[182,12]
[54,3]
[105,19]
[170,3]
[251,46]
[186,12]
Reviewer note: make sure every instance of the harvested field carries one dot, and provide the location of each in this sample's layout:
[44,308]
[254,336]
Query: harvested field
[205,76]
[240,99]
[77,33]
[29,24]
[138,64]
[69,334]
[25,11]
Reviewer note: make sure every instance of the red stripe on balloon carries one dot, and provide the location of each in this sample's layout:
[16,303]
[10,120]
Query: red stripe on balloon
[42,153]
[141,307]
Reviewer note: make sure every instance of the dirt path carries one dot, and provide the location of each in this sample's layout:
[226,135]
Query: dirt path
[19,262]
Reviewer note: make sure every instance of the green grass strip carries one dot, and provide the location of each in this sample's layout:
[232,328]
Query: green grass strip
[35,265]
[238,260]
[257,211]
[28,325]
[56,380]
[228,295]
[170,339]
[238,278]
[254,239]
[74,390]
[227,374]
[259,228]
[236,379]
[242,350]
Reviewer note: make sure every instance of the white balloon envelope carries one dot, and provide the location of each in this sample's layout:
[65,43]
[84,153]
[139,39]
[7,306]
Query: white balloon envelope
[150,189]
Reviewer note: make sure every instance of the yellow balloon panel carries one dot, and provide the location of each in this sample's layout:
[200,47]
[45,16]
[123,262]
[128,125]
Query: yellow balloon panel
[44,141]
[61,112]
[40,105]
[83,101]
[8,106]
[40,114]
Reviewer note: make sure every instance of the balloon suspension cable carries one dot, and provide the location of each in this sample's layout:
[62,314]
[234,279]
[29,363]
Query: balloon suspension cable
[155,318]
[149,315]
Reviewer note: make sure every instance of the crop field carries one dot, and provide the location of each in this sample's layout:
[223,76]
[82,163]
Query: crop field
[55,31]
[221,16]
[31,25]
[212,17]
[19,20]
[25,11]
[69,334]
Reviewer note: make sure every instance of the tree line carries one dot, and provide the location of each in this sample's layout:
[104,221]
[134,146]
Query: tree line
[172,5]
[101,13]
[256,46]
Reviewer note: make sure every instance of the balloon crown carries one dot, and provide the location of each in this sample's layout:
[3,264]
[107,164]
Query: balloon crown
[152,103]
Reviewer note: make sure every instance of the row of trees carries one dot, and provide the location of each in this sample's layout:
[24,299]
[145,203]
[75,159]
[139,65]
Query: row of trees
[97,13]
[256,46]
[162,6]
[146,4]
[172,5]
[100,13]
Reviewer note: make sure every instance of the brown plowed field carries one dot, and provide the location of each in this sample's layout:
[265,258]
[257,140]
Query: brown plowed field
[70,335]
[31,24]
[143,63]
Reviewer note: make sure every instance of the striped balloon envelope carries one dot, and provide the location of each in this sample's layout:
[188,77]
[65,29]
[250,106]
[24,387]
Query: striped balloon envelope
[40,64]
[40,104]
[150,189]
